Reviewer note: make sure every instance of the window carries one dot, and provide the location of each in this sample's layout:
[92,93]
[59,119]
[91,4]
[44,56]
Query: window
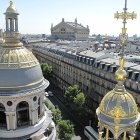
[2,116]
[9,103]
[35,98]
[22,113]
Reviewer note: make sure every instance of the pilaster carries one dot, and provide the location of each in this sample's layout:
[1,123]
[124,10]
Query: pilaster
[11,120]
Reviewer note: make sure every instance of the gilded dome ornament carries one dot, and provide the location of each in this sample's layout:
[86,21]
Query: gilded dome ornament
[11,8]
[118,111]
[19,69]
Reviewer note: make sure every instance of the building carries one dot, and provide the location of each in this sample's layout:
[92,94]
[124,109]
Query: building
[69,31]
[23,115]
[92,71]
[96,74]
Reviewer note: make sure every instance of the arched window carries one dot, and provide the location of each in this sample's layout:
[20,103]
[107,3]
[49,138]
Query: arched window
[39,111]
[22,114]
[2,116]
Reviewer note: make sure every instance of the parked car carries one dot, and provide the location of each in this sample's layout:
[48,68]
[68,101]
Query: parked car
[50,93]
[46,94]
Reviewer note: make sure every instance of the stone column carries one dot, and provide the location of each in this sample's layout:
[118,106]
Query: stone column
[131,137]
[41,104]
[7,121]
[100,135]
[11,120]
[32,114]
[107,133]
[12,25]
[7,24]
[10,28]
[14,119]
[16,25]
[36,114]
[124,136]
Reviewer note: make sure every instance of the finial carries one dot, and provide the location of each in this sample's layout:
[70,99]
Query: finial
[121,62]
[124,16]
[11,2]
[125,7]
[121,73]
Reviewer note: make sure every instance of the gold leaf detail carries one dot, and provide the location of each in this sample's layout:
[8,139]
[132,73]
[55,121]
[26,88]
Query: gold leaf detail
[118,112]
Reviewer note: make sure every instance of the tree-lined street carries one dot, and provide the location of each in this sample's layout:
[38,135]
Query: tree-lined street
[57,102]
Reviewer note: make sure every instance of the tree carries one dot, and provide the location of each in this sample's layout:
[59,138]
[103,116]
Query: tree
[65,130]
[71,92]
[46,69]
[79,99]
[55,112]
[57,115]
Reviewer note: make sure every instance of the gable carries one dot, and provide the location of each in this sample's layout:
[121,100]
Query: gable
[64,25]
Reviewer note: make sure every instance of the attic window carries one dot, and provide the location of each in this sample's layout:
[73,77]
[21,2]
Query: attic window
[129,75]
[107,67]
[135,76]
[113,69]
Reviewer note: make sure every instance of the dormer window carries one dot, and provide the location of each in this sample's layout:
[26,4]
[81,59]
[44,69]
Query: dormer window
[102,65]
[107,67]
[113,69]
[135,76]
[96,64]
[129,74]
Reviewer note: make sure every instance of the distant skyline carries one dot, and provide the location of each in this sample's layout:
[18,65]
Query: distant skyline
[36,16]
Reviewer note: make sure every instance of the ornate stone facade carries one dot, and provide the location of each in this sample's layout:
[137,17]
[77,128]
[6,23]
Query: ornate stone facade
[69,31]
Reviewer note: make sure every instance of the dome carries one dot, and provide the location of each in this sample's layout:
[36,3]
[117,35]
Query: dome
[19,70]
[118,107]
[16,57]
[11,8]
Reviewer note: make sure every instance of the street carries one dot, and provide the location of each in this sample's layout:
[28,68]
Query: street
[55,101]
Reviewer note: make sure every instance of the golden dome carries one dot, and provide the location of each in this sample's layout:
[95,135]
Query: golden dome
[120,106]
[18,57]
[11,8]
[118,109]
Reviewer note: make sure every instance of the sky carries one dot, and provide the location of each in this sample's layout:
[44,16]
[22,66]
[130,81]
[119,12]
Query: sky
[36,16]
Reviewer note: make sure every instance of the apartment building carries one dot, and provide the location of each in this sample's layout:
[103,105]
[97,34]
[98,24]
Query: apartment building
[94,73]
